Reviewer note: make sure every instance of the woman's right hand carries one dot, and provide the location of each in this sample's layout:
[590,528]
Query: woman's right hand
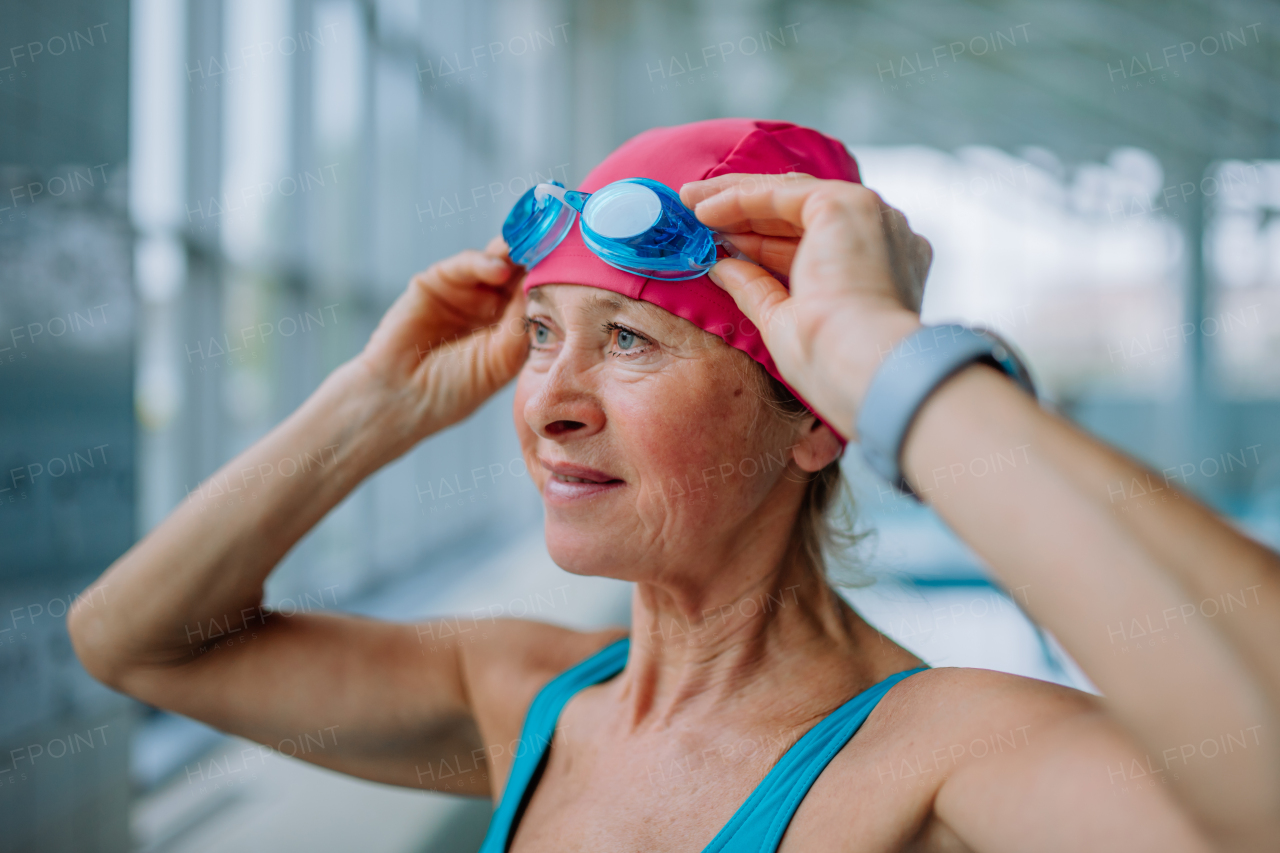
[180,621]
[452,339]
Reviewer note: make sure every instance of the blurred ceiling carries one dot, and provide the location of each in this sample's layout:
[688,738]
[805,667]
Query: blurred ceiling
[1189,81]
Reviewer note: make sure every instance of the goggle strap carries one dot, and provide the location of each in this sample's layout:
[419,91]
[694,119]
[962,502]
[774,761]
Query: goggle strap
[730,250]
[572,198]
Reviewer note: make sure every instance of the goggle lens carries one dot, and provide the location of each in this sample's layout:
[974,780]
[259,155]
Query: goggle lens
[636,225]
[536,225]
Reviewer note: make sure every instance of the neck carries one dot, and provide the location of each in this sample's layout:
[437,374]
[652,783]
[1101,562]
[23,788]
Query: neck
[751,632]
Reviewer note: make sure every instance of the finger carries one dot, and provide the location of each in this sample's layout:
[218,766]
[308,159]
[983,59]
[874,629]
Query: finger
[695,191]
[466,289]
[475,367]
[776,253]
[497,247]
[909,254]
[769,227]
[494,354]
[745,207]
[919,258]
[736,186]
[470,281]
[713,214]
[912,285]
[897,231]
[923,257]
[894,225]
[508,341]
[759,296]
[786,209]
[468,268]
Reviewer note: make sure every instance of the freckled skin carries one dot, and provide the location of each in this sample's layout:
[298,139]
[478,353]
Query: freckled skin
[664,415]
[715,684]
[662,406]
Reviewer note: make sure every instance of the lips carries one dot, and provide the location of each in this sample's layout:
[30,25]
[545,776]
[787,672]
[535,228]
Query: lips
[569,482]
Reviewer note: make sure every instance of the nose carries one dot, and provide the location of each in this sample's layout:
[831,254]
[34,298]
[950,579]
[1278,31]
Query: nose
[567,405]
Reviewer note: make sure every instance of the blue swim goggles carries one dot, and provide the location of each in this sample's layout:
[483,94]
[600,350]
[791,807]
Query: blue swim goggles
[636,225]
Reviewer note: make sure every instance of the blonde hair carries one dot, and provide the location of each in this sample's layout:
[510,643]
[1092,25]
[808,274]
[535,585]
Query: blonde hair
[826,529]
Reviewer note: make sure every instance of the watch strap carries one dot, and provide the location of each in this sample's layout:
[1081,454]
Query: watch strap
[915,367]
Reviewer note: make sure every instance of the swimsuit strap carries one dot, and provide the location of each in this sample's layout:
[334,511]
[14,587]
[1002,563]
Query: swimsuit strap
[760,822]
[539,728]
[757,825]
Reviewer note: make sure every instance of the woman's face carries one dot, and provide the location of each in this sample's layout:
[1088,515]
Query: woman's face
[647,439]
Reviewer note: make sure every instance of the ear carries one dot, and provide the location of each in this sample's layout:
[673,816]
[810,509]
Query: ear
[817,446]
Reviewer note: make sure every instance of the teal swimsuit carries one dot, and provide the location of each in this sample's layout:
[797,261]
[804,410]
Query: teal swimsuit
[760,821]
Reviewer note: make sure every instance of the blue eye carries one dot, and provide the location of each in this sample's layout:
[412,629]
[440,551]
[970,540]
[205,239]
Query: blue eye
[626,339]
[540,334]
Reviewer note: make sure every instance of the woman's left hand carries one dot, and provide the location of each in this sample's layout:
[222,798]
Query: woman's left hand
[856,270]
[452,339]
[1172,612]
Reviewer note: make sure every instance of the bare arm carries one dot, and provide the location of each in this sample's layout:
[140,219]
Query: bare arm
[176,621]
[1049,522]
[1095,570]
[1073,781]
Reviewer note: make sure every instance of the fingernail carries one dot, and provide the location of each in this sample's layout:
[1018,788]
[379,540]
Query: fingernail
[715,276]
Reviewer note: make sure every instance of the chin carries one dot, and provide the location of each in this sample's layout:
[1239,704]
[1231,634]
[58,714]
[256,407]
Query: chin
[585,550]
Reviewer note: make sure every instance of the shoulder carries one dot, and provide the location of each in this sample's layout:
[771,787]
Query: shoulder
[527,650]
[965,691]
[515,658]
[932,725]
[882,784]
[946,717]
[959,701]
[998,759]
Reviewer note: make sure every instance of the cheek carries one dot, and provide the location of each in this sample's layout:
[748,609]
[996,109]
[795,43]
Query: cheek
[527,385]
[696,445]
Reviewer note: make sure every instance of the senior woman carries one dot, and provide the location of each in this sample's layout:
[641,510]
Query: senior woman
[629,391]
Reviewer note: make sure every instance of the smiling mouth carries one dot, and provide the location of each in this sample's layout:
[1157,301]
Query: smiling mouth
[565,478]
[569,472]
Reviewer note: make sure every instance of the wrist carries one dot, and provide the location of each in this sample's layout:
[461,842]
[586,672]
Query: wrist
[864,345]
[376,424]
[972,416]
[913,373]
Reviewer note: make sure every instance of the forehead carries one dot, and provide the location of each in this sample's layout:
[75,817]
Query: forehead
[595,300]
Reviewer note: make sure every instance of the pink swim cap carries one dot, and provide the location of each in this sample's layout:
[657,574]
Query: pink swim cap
[675,156]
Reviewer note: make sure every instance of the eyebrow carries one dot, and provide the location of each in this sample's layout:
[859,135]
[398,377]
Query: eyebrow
[601,303]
